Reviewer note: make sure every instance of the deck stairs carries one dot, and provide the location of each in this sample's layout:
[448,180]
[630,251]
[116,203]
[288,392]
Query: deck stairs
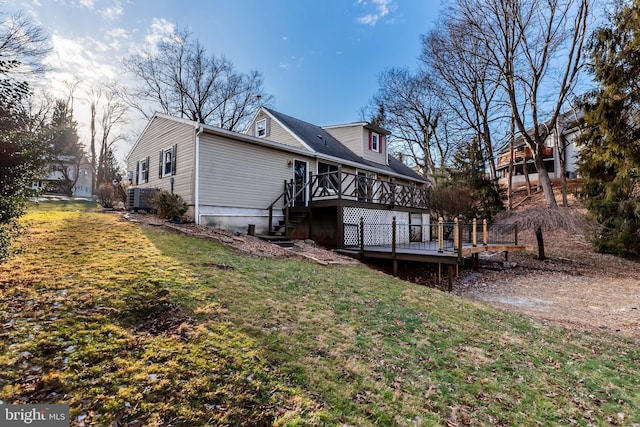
[281,232]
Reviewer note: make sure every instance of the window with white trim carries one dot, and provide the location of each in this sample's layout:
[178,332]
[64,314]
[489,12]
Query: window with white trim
[375,142]
[261,128]
[143,171]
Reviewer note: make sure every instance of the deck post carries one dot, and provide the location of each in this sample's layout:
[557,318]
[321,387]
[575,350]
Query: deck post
[340,182]
[516,236]
[393,246]
[459,232]
[484,232]
[393,237]
[361,237]
[440,233]
[450,278]
[456,237]
[475,226]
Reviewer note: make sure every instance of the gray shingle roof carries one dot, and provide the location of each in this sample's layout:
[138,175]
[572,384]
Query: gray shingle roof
[323,142]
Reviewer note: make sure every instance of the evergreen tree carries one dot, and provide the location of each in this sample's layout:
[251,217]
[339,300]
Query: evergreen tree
[610,153]
[22,155]
[67,151]
[469,169]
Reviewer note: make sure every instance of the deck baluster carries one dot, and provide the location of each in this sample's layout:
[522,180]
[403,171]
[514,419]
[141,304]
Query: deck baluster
[475,243]
[456,241]
[484,232]
[440,234]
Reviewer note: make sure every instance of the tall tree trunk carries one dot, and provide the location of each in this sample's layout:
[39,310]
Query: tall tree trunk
[562,152]
[512,144]
[525,170]
[545,182]
[540,240]
[94,160]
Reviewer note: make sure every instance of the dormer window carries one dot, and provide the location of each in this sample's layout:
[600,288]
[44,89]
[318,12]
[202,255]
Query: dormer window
[375,142]
[261,128]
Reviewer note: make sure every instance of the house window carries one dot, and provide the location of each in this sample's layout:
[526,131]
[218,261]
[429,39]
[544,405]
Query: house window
[167,162]
[143,171]
[375,142]
[261,128]
[329,178]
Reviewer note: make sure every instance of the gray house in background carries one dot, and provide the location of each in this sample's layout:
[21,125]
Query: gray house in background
[560,141]
[282,175]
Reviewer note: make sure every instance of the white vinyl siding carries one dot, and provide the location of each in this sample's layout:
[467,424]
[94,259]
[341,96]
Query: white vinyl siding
[158,136]
[241,175]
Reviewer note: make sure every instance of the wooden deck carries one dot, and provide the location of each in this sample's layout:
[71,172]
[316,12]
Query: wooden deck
[428,252]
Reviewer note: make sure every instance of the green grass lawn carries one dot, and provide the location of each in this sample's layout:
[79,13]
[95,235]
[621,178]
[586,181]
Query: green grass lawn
[141,325]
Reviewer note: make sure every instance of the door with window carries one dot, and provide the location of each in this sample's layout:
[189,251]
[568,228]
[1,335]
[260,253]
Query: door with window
[300,177]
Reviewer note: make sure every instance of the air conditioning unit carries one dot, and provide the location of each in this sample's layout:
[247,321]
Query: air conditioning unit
[139,198]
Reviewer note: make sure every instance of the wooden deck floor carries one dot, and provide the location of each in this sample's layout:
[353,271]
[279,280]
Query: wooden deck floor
[428,252]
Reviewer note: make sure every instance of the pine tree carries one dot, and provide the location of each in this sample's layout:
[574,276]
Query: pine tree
[469,168]
[610,152]
[67,150]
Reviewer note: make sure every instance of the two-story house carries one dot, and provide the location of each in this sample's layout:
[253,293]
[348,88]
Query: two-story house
[77,181]
[281,175]
[559,144]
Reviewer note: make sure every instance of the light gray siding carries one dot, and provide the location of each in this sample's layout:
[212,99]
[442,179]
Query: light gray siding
[350,136]
[374,156]
[242,175]
[356,138]
[161,134]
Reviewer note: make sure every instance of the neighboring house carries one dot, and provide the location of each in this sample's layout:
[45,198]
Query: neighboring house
[281,175]
[53,183]
[562,137]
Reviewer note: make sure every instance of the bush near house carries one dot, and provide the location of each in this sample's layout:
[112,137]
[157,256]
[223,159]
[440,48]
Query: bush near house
[168,205]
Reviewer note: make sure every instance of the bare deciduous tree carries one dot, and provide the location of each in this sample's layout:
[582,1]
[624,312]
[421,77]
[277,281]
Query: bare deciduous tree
[114,115]
[22,43]
[527,40]
[178,77]
[406,105]
[465,79]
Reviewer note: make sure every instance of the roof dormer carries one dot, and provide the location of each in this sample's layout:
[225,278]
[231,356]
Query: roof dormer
[364,139]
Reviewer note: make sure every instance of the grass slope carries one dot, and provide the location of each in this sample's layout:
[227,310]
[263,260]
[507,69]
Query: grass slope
[148,327]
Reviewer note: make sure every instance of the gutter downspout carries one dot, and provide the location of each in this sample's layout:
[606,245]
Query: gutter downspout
[196,212]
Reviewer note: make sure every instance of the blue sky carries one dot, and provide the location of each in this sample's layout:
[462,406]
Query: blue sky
[319,58]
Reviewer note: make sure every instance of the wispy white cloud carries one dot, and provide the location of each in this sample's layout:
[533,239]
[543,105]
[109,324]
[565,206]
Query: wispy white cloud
[75,56]
[160,30]
[382,8]
[112,13]
[116,37]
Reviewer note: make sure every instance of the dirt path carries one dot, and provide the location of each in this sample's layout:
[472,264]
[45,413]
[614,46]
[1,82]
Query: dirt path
[575,287]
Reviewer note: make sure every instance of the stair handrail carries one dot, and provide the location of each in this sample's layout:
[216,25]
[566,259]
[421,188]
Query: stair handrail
[288,186]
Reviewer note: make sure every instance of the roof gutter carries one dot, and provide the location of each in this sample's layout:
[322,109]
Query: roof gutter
[196,208]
